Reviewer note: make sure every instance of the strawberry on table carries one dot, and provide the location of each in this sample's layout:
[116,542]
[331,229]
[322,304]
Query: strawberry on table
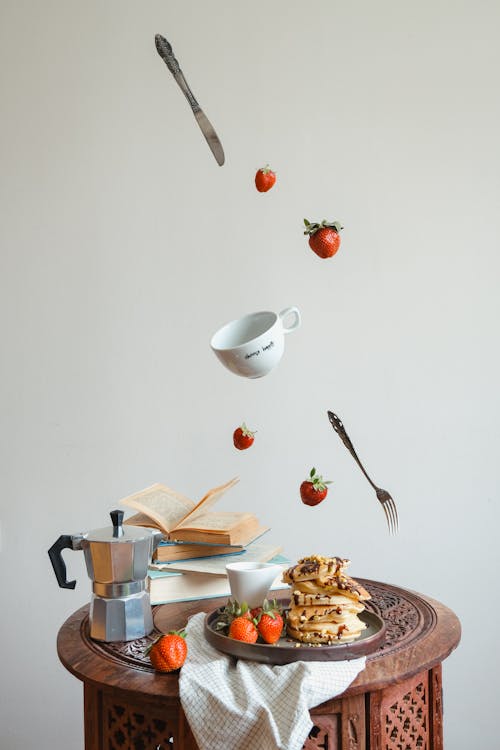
[243,437]
[168,652]
[265,179]
[314,489]
[324,238]
[243,629]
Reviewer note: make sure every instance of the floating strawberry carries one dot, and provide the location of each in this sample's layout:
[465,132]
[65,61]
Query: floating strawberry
[324,238]
[313,490]
[265,179]
[243,629]
[168,652]
[270,622]
[243,437]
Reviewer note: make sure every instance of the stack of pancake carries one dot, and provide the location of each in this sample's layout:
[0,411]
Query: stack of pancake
[325,602]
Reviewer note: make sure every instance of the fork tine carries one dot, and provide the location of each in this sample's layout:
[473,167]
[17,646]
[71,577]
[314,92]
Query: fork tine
[387,516]
[393,513]
[396,515]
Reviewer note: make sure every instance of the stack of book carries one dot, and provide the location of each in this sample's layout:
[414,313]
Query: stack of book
[190,563]
[205,579]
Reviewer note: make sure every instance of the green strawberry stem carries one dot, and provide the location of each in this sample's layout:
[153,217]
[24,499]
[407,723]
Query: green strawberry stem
[182,633]
[272,609]
[246,431]
[312,227]
[317,481]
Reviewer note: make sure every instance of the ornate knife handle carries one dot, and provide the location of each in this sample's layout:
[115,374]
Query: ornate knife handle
[166,53]
[164,49]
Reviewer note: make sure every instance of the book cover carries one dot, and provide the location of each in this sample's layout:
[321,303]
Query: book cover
[255,552]
[170,551]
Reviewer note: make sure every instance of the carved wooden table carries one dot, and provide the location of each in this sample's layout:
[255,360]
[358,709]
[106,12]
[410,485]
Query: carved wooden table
[394,704]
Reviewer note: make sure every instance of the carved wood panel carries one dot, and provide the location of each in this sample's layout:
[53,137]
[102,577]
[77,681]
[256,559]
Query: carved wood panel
[127,727]
[407,721]
[339,725]
[324,734]
[401,716]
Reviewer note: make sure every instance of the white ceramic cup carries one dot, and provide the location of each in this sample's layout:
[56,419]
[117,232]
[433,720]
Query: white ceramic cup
[250,581]
[253,345]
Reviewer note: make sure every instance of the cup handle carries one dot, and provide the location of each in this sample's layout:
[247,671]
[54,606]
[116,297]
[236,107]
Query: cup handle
[296,322]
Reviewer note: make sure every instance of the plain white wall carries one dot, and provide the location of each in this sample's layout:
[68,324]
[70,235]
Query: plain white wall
[124,246]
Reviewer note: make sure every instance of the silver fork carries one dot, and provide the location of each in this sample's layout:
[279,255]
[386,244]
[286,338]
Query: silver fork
[383,496]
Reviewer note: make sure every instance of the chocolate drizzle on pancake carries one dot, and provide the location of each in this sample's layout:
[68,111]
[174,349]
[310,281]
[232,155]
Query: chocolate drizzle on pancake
[306,568]
[325,602]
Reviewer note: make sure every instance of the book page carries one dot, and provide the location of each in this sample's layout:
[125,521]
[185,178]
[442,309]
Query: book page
[163,505]
[222,521]
[207,502]
[141,519]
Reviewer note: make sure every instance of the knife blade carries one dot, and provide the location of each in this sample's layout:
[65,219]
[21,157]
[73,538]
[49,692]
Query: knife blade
[164,49]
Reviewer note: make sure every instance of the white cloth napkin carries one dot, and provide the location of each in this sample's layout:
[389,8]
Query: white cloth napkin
[241,704]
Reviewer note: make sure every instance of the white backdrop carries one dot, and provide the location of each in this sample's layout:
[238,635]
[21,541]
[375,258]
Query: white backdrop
[124,246]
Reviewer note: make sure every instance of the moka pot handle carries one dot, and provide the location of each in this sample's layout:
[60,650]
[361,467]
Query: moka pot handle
[65,541]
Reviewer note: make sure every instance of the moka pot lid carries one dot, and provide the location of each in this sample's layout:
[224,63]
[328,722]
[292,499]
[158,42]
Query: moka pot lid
[120,533]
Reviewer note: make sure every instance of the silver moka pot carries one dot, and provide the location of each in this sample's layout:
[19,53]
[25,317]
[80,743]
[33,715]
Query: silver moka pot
[117,560]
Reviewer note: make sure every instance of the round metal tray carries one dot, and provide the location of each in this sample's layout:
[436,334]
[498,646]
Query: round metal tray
[287,650]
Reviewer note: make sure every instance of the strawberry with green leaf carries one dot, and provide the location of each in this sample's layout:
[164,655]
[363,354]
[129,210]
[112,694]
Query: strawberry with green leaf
[243,629]
[231,611]
[314,489]
[324,238]
[270,622]
[243,437]
[168,652]
[236,621]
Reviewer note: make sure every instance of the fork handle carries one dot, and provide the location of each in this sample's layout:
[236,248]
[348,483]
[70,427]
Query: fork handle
[339,428]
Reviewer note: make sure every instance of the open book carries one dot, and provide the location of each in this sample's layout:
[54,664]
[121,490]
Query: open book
[180,519]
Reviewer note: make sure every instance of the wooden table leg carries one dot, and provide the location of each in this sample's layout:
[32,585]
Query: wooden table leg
[92,713]
[436,708]
[339,725]
[354,723]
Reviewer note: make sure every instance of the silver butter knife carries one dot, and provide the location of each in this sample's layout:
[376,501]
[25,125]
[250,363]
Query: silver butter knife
[166,53]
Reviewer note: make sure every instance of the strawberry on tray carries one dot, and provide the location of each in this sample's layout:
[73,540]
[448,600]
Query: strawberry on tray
[240,623]
[260,635]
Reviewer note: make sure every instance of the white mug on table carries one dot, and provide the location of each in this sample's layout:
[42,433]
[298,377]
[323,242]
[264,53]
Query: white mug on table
[253,345]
